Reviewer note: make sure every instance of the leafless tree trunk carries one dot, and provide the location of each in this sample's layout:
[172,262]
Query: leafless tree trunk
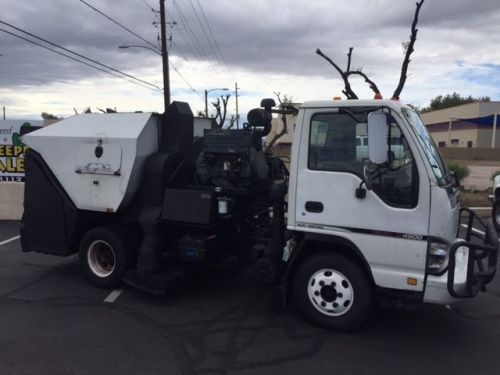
[409,51]
[285,108]
[232,121]
[221,112]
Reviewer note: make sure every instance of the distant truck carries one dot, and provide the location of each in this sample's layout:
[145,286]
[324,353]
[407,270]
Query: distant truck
[144,201]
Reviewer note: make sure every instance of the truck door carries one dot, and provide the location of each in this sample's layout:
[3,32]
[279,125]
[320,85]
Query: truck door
[390,225]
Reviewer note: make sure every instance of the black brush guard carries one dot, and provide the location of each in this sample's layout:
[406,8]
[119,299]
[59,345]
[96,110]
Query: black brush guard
[482,245]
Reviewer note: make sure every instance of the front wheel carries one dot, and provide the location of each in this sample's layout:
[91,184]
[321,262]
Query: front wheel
[104,256]
[333,291]
[495,214]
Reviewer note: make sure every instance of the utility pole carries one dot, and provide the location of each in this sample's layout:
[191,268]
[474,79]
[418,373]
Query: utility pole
[237,114]
[164,56]
[495,120]
[206,103]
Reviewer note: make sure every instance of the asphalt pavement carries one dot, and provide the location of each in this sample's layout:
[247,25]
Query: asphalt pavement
[219,322]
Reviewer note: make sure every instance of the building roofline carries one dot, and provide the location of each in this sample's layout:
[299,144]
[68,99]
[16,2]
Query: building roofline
[462,105]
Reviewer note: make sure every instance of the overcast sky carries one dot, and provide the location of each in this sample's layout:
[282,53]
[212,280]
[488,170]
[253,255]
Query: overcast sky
[265,46]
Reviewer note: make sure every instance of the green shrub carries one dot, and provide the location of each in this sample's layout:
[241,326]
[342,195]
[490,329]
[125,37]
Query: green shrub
[496,173]
[461,171]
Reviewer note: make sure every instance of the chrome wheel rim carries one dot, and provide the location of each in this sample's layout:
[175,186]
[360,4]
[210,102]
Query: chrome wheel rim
[330,292]
[101,258]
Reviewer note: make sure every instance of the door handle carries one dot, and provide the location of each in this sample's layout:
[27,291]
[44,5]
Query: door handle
[316,207]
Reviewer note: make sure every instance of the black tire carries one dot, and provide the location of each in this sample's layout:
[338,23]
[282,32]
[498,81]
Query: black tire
[495,214]
[105,253]
[341,281]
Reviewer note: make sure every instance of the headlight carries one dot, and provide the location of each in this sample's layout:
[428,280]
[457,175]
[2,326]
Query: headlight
[437,256]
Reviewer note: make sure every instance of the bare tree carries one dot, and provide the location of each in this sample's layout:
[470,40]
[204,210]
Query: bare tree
[285,108]
[232,121]
[409,51]
[221,111]
[348,91]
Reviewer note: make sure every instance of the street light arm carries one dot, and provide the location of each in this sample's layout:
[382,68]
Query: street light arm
[124,46]
[223,89]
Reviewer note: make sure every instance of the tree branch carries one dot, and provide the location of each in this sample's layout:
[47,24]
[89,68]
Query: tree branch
[221,113]
[347,90]
[409,51]
[224,112]
[217,113]
[349,54]
[284,109]
[372,84]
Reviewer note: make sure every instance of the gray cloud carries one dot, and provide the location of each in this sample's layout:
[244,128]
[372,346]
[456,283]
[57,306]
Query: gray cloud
[254,35]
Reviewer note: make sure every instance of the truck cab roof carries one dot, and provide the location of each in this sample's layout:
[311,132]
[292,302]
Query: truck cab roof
[353,103]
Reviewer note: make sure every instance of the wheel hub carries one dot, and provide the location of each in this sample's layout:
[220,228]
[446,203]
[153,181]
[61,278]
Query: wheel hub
[101,258]
[330,292]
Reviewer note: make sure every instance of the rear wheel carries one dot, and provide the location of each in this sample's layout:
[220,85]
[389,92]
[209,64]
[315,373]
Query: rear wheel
[495,214]
[333,291]
[104,256]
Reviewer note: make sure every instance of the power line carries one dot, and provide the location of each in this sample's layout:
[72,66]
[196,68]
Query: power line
[78,54]
[117,23]
[77,60]
[193,37]
[213,36]
[178,48]
[149,6]
[202,28]
[135,34]
[187,83]
[208,74]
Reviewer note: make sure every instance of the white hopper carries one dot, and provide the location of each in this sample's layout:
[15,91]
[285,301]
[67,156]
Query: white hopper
[103,183]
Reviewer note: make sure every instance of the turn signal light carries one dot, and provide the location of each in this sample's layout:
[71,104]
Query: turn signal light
[411,281]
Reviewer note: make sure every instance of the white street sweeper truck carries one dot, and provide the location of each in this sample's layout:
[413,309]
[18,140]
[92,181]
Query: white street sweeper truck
[144,202]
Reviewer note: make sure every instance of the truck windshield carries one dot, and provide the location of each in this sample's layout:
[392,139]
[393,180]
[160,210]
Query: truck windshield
[431,152]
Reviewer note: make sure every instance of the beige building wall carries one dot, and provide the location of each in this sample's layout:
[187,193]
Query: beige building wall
[463,136]
[485,137]
[480,137]
[277,127]
[463,111]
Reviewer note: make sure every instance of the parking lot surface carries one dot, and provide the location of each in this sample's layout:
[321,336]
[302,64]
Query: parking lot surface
[219,322]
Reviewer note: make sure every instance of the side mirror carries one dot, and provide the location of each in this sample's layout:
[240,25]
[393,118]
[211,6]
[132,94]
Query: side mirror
[377,137]
[456,180]
[367,175]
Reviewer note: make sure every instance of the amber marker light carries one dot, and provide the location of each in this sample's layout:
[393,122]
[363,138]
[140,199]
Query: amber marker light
[411,281]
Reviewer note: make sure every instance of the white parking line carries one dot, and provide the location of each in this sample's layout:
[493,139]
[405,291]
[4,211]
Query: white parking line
[9,240]
[113,296]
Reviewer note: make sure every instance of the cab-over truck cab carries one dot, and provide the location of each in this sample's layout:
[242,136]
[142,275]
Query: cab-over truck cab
[388,222]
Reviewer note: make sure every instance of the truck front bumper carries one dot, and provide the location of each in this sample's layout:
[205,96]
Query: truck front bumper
[472,262]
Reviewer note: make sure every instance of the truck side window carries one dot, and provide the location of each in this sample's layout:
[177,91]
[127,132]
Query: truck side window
[398,184]
[338,142]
